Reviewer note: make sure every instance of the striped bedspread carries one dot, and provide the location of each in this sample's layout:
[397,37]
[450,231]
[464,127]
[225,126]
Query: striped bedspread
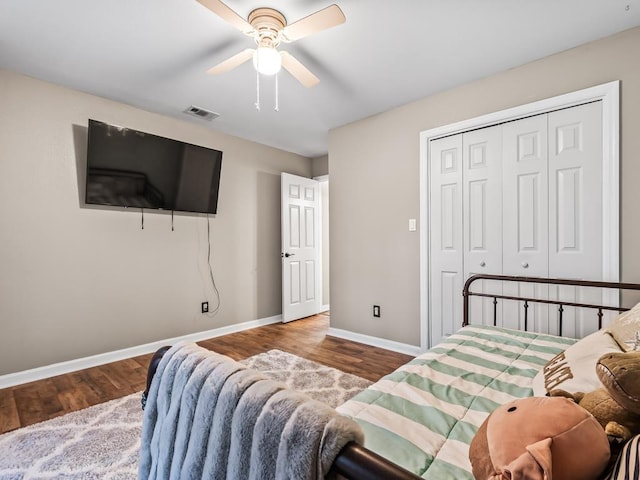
[424,415]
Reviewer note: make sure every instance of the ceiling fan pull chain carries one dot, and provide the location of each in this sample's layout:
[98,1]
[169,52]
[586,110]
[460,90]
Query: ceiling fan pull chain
[257,90]
[277,109]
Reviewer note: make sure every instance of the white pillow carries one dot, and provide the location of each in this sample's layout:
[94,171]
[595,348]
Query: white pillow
[574,370]
[623,329]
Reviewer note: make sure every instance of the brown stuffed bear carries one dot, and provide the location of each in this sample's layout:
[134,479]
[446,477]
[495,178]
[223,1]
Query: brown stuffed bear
[538,438]
[617,405]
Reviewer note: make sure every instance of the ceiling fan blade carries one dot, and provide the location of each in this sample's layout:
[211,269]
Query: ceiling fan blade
[228,15]
[316,22]
[232,62]
[298,70]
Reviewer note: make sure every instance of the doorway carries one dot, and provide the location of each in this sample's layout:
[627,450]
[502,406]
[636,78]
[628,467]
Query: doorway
[305,246]
[324,239]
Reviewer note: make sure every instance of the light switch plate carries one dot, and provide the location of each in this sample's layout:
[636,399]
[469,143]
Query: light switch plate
[412,225]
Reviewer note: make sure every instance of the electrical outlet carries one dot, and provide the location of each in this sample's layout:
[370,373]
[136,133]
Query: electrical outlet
[376,310]
[204,307]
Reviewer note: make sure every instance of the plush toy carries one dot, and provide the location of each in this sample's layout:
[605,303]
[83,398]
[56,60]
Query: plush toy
[539,438]
[617,405]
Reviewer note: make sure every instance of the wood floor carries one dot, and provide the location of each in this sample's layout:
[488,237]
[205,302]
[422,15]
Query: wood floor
[34,402]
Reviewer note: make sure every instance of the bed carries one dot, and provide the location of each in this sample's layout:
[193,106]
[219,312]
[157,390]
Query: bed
[419,420]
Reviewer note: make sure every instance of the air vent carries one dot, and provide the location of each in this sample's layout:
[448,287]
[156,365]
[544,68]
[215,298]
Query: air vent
[201,113]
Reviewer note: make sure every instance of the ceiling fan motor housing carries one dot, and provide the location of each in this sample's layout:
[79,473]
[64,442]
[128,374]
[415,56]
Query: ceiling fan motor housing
[268,24]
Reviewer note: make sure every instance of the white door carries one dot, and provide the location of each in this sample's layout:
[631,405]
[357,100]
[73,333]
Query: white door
[530,196]
[482,216]
[560,206]
[525,217]
[575,208]
[445,241]
[301,283]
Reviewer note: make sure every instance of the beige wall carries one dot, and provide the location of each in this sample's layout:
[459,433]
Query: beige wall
[374,188]
[80,281]
[320,166]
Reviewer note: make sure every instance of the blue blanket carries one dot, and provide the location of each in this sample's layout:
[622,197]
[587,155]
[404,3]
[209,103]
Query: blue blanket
[208,416]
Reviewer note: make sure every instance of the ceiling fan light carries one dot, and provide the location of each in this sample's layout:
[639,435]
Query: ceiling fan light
[267,60]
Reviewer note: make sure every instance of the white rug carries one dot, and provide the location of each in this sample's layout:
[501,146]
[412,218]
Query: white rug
[102,442]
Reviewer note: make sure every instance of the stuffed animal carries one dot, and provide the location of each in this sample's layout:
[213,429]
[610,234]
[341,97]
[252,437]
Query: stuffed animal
[617,405]
[539,438]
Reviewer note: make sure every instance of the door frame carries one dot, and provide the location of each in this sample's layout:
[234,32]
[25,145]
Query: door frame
[324,306]
[609,94]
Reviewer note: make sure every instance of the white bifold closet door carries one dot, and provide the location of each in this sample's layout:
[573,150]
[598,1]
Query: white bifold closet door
[519,198]
[482,215]
[525,247]
[576,209]
[466,223]
[446,253]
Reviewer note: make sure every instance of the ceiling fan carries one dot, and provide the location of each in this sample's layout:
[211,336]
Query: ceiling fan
[269,28]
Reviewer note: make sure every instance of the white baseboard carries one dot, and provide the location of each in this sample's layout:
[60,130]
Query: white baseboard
[325,308]
[18,378]
[375,341]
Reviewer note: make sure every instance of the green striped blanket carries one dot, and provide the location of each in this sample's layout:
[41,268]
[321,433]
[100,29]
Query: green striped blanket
[424,415]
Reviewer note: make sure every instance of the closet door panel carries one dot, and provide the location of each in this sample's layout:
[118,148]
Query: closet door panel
[575,210]
[445,237]
[575,181]
[525,216]
[482,217]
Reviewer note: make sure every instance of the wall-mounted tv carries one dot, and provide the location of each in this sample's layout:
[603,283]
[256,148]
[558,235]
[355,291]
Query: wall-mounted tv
[129,168]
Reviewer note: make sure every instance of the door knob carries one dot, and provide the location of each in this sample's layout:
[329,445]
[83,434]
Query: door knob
[287,255]
[482,264]
[525,265]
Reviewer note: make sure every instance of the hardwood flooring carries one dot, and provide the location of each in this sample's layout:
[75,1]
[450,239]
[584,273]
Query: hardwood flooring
[34,402]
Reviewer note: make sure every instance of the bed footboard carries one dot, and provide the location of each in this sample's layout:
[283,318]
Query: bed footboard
[354,462]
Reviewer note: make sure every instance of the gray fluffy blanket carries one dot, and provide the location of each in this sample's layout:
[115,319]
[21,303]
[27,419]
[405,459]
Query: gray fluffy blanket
[208,416]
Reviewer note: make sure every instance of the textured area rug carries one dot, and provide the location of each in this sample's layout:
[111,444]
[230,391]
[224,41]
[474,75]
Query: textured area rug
[102,442]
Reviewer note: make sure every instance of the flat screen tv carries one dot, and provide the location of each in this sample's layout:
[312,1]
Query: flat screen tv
[129,168]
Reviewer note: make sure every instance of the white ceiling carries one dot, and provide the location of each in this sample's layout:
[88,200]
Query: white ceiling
[153,54]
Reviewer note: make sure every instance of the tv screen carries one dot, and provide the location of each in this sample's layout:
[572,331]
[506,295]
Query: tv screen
[129,168]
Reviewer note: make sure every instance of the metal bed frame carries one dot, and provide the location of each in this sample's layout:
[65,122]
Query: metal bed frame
[562,304]
[355,462]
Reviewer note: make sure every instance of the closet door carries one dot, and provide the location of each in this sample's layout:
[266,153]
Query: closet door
[575,209]
[445,237]
[525,216]
[482,216]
